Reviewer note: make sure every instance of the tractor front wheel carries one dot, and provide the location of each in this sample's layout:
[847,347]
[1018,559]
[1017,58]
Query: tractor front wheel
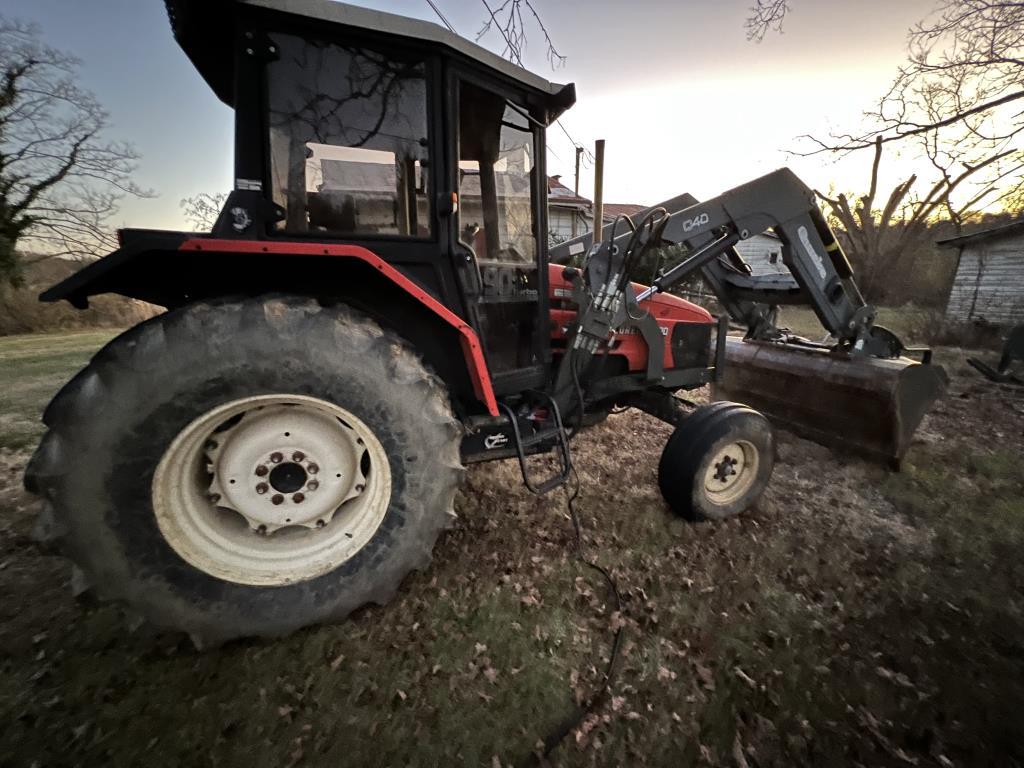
[241,468]
[717,462]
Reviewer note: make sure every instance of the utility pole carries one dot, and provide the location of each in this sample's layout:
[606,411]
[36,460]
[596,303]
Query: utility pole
[576,188]
[598,190]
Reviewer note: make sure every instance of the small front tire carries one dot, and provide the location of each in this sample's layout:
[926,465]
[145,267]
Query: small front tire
[718,462]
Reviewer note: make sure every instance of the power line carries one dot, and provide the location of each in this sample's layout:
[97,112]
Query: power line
[441,16]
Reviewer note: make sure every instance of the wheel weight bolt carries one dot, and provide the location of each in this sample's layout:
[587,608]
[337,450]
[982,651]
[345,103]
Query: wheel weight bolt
[313,469]
[298,498]
[277,498]
[276,457]
[298,456]
[261,470]
[262,488]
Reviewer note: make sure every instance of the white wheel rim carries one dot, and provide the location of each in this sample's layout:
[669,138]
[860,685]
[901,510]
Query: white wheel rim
[272,490]
[731,472]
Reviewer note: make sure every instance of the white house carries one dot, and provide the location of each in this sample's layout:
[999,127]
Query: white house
[564,206]
[763,253]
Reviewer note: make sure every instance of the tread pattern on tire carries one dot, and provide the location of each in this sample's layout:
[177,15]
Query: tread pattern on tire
[686,447]
[85,410]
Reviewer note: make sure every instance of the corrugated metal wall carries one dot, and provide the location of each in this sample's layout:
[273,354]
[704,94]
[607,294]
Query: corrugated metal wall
[989,282]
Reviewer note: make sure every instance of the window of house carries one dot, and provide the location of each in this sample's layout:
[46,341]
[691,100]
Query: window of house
[348,140]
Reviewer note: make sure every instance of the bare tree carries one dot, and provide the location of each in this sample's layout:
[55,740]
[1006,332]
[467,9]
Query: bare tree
[765,16]
[201,211]
[956,104]
[60,180]
[507,19]
[884,232]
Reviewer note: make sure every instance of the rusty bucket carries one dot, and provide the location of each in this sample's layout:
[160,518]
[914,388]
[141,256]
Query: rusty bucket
[869,405]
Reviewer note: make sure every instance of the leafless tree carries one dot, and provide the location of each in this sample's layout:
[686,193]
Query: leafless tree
[885,232]
[60,180]
[765,16]
[957,104]
[201,211]
[507,19]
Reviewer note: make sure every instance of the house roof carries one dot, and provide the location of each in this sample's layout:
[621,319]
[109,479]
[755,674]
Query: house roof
[986,234]
[559,194]
[611,210]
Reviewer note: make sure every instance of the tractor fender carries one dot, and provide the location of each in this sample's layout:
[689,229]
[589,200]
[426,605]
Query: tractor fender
[153,269]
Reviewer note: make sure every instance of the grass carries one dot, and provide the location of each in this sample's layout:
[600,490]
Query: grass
[32,369]
[909,323]
[857,617]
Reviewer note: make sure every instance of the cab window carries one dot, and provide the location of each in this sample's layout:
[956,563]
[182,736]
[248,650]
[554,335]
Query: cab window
[496,178]
[348,140]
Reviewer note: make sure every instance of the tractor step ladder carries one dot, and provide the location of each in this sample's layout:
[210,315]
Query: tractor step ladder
[557,432]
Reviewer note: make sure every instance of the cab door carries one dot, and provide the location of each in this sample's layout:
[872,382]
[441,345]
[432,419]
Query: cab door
[496,231]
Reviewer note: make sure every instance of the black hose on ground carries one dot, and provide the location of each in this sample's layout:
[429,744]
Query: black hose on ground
[557,735]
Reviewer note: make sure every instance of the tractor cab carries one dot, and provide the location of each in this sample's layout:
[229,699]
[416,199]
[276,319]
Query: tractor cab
[398,136]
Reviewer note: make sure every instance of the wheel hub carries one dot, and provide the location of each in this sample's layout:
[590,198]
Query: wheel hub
[281,466]
[288,477]
[726,468]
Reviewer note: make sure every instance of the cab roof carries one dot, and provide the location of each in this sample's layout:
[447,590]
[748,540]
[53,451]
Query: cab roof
[204,30]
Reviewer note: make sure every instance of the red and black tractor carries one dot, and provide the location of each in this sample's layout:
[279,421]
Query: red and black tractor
[376,307]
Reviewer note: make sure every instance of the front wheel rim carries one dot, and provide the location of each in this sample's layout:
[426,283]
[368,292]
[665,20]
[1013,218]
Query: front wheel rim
[272,490]
[731,472]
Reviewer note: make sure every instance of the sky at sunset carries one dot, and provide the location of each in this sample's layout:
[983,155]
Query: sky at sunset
[684,101]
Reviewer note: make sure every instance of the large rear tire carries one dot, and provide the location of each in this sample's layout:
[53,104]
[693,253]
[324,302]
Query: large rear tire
[248,468]
[718,462]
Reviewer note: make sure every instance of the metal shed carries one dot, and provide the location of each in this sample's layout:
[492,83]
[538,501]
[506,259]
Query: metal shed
[989,283]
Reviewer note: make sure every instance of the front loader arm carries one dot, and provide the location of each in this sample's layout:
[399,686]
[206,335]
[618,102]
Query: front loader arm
[820,275]
[859,392]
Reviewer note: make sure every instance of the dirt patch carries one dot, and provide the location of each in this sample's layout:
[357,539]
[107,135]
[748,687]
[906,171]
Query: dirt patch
[856,617]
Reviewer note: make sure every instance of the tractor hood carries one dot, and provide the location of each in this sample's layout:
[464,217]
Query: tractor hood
[205,30]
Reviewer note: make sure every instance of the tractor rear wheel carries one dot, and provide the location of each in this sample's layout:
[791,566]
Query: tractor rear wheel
[718,462]
[248,468]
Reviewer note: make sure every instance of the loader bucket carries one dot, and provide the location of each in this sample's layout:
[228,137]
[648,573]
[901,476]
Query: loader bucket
[869,405]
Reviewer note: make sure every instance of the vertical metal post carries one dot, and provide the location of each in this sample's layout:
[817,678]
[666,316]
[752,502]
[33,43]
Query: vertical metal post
[598,189]
[576,190]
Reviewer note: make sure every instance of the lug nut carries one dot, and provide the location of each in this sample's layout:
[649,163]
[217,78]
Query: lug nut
[262,488]
[360,487]
[320,523]
[262,530]
[298,498]
[214,498]
[312,485]
[298,456]
[211,445]
[261,470]
[276,457]
[313,469]
[277,498]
